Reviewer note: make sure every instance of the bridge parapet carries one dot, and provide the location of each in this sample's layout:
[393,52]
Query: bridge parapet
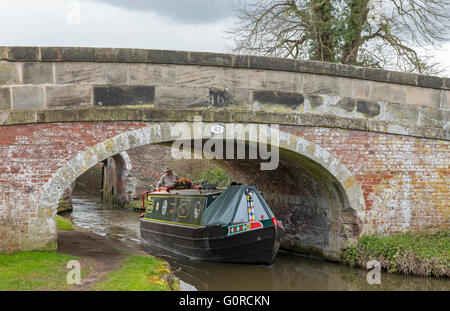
[55,78]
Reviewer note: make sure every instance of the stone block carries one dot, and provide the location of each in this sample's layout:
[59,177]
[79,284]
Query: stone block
[71,54]
[445,100]
[447,83]
[181,97]
[175,57]
[402,77]
[361,88]
[229,98]
[82,73]
[151,74]
[69,95]
[316,67]
[117,73]
[123,95]
[9,73]
[376,74]
[25,97]
[211,59]
[59,115]
[327,85]
[430,117]
[280,64]
[3,53]
[51,54]
[197,76]
[37,73]
[315,101]
[240,96]
[5,98]
[346,103]
[78,54]
[290,100]
[23,53]
[430,81]
[401,113]
[130,55]
[245,78]
[349,71]
[257,62]
[283,81]
[387,92]
[241,61]
[103,55]
[367,108]
[425,97]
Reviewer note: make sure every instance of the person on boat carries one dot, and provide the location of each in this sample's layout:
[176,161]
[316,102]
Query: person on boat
[167,179]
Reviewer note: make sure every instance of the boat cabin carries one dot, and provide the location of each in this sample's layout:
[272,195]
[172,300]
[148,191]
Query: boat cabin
[183,206]
[193,207]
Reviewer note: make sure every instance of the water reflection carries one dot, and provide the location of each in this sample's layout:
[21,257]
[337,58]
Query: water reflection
[288,272]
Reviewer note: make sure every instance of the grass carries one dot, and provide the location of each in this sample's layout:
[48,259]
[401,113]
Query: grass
[63,224]
[409,253]
[139,274]
[34,270]
[39,270]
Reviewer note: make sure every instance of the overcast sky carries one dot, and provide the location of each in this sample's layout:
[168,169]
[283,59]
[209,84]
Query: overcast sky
[194,25]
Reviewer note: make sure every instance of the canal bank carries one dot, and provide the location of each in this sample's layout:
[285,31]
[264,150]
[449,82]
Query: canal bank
[112,265]
[104,265]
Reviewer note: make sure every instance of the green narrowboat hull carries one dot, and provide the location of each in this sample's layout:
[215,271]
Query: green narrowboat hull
[216,243]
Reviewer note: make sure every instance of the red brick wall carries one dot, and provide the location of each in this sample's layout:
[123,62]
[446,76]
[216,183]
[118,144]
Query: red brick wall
[29,156]
[405,180]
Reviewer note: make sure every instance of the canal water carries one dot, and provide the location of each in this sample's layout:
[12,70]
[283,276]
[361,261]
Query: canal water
[288,272]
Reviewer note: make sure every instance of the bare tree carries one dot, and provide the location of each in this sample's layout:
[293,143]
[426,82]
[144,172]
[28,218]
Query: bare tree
[391,34]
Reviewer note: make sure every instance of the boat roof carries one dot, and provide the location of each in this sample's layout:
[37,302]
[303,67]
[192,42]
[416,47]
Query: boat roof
[187,192]
[223,209]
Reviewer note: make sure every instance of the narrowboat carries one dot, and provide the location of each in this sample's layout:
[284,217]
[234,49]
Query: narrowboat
[234,225]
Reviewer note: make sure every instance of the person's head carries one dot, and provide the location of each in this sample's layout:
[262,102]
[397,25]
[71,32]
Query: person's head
[168,171]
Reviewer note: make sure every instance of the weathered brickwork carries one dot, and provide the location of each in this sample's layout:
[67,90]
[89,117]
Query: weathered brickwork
[29,156]
[405,180]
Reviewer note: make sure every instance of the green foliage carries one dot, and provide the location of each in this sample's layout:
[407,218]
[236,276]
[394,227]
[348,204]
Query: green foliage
[63,224]
[376,34]
[416,253]
[138,274]
[33,270]
[211,175]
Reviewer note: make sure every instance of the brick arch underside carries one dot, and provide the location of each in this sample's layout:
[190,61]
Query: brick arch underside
[321,209]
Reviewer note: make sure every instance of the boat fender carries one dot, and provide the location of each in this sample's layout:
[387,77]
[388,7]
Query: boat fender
[274,221]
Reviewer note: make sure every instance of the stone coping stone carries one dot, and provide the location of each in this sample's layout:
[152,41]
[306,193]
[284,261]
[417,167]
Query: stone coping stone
[127,55]
[221,116]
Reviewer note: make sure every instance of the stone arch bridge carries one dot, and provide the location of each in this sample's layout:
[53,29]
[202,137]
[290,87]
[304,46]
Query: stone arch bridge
[361,150]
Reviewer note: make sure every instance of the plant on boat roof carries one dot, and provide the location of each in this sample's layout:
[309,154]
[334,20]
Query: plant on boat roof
[182,182]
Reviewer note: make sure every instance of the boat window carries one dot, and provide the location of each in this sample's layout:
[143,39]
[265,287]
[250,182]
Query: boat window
[241,213]
[259,209]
